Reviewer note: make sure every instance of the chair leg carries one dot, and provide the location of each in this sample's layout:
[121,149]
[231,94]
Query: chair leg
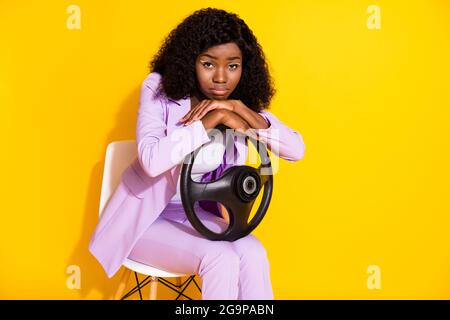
[178,282]
[122,284]
[153,288]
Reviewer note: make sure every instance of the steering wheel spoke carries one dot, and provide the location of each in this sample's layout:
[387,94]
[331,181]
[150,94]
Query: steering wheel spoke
[240,211]
[213,191]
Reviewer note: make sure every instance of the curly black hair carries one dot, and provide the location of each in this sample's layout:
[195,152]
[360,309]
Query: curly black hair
[208,27]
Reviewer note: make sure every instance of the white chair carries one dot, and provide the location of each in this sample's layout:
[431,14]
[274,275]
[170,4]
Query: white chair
[119,155]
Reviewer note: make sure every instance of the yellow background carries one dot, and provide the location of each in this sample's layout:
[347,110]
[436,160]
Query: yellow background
[372,106]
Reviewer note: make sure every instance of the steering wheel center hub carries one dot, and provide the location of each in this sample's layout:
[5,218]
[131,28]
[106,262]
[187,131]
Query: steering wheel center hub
[248,185]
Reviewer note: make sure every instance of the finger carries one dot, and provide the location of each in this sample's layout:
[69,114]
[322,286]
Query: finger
[186,116]
[189,115]
[201,111]
[205,110]
[212,105]
[195,114]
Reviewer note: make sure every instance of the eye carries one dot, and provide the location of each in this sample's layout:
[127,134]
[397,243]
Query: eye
[205,63]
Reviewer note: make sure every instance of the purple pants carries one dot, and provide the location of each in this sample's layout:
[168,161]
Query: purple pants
[229,270]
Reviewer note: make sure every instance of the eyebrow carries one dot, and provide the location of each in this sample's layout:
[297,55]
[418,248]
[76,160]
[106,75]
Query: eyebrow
[231,58]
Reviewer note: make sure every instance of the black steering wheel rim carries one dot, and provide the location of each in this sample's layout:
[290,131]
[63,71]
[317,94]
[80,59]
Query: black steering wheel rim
[237,189]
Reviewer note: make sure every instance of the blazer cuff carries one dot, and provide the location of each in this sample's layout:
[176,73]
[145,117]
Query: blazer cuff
[199,130]
[264,131]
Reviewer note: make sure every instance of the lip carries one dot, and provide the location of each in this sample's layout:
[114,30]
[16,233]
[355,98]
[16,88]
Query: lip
[219,91]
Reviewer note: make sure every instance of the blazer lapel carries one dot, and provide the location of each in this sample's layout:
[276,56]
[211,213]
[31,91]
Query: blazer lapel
[176,109]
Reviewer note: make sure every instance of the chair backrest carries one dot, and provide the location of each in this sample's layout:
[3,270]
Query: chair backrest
[119,155]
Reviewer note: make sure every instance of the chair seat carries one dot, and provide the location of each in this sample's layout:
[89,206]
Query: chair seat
[151,271]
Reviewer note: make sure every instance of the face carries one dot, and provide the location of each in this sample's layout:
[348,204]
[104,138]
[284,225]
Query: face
[218,71]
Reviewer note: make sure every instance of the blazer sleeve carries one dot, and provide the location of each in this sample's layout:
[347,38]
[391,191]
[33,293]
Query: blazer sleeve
[157,151]
[280,139]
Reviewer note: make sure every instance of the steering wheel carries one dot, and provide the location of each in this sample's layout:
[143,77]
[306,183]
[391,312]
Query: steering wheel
[236,189]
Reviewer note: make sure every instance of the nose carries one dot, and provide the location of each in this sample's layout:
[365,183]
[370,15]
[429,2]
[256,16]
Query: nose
[219,76]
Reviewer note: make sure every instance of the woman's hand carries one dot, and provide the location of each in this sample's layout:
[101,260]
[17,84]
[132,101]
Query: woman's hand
[228,118]
[236,122]
[205,106]
[212,119]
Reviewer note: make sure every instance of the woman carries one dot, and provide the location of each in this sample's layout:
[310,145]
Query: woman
[209,71]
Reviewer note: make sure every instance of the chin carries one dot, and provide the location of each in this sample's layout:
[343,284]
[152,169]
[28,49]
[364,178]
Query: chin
[214,98]
[219,97]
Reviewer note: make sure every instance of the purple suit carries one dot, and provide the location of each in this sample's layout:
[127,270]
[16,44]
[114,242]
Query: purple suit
[151,180]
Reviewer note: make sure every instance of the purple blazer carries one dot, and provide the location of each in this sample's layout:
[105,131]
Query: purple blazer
[162,144]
